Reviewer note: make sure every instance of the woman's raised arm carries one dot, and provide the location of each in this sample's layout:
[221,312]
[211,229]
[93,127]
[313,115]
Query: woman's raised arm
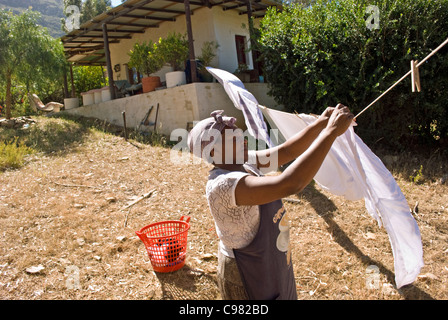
[311,151]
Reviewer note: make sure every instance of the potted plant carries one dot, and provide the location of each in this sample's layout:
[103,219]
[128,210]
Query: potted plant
[146,58]
[207,55]
[174,50]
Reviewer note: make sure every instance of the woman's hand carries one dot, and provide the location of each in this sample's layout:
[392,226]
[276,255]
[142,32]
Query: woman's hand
[311,145]
[340,119]
[324,117]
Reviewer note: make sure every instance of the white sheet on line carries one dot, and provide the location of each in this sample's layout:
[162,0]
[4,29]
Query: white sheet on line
[350,170]
[353,171]
[244,101]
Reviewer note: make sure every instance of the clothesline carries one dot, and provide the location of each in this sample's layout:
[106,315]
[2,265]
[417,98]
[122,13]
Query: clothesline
[402,78]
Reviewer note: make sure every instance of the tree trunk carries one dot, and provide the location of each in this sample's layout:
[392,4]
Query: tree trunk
[8,94]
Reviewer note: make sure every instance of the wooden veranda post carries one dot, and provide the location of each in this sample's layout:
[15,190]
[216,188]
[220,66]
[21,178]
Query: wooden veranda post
[251,34]
[73,93]
[108,62]
[65,85]
[192,56]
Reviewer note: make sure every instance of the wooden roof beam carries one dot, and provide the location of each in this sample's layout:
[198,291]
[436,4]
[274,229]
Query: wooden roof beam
[145,17]
[236,6]
[253,11]
[240,5]
[93,41]
[82,51]
[130,24]
[121,31]
[158,10]
[100,36]
[195,3]
[110,36]
[235,1]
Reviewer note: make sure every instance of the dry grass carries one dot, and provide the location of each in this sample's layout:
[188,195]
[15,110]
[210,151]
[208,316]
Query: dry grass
[64,212]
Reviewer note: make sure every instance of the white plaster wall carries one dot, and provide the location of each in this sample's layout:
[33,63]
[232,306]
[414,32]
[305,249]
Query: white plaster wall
[260,92]
[203,30]
[207,24]
[227,24]
[177,107]
[211,97]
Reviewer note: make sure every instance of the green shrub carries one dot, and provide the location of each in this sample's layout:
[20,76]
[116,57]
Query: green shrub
[86,78]
[12,154]
[324,54]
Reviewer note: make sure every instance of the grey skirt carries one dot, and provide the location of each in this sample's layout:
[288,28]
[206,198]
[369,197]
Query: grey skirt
[229,280]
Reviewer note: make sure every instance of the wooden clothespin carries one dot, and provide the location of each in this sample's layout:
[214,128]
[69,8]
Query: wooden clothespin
[415,76]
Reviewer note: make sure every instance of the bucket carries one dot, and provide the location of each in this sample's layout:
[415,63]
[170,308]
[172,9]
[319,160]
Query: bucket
[166,243]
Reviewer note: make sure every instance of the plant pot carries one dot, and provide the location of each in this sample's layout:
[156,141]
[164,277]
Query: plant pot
[243,76]
[87,98]
[150,84]
[70,103]
[205,76]
[175,78]
[105,94]
[96,95]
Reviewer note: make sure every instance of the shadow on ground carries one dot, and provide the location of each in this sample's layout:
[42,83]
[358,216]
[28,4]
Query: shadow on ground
[325,208]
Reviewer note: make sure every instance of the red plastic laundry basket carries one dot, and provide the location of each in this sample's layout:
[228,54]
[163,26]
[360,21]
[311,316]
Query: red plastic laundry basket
[166,243]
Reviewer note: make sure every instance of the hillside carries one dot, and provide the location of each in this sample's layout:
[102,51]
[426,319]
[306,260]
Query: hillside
[51,12]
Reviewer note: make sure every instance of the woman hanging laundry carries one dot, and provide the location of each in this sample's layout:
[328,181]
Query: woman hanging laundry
[254,259]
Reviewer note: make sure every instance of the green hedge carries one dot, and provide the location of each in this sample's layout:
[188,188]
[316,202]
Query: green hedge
[318,56]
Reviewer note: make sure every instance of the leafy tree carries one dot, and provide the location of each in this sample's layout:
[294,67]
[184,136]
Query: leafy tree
[28,53]
[146,57]
[174,50]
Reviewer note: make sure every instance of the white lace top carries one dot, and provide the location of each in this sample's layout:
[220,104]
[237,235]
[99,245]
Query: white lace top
[236,225]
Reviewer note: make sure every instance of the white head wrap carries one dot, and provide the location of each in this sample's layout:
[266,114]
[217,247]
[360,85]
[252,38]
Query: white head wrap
[206,133]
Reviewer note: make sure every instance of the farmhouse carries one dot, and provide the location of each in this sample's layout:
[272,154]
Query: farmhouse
[108,39]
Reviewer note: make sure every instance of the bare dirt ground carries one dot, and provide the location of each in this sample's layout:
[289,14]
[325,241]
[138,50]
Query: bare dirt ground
[65,235]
